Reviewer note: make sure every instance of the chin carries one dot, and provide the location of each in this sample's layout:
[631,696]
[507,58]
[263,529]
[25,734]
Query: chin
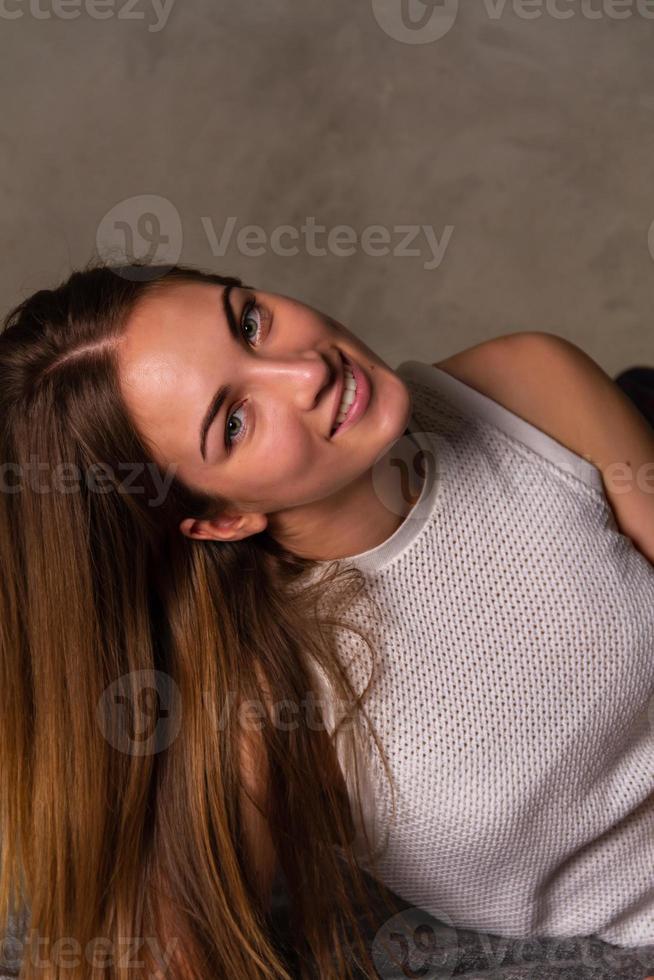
[396,413]
[402,402]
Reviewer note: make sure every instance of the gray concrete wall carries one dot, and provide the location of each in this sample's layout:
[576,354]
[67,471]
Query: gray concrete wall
[521,137]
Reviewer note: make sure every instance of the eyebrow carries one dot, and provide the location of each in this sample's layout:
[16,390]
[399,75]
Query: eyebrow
[216,402]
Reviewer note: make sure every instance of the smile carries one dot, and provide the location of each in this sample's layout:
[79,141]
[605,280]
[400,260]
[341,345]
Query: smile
[355,396]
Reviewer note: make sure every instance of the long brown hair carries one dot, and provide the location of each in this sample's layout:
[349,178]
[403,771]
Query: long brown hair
[109,829]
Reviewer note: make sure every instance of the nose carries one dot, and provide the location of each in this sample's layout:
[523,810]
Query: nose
[303,376]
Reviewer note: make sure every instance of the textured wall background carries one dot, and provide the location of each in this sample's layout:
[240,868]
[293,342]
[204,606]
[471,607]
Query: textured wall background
[528,131]
[519,139]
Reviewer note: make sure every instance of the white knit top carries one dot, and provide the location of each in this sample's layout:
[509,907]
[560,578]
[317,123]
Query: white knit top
[515,693]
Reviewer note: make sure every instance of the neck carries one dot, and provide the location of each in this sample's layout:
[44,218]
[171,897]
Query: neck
[353,520]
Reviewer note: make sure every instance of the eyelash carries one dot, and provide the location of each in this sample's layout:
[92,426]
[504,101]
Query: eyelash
[230,440]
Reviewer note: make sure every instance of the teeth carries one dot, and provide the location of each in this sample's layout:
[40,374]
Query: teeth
[349,394]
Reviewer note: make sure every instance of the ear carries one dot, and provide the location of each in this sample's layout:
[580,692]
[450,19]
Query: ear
[226,527]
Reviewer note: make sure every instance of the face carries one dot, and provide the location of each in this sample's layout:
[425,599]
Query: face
[270,446]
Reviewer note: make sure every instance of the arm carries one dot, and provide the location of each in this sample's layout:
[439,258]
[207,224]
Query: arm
[555,386]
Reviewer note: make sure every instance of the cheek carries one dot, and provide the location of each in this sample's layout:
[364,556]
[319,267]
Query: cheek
[287,458]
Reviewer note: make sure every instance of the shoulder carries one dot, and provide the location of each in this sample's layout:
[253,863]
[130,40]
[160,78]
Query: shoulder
[531,375]
[553,384]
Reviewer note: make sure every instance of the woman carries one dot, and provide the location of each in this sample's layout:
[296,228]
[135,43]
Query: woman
[184,469]
[140,617]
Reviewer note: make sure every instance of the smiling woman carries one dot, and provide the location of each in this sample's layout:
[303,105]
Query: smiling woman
[259,383]
[178,603]
[324,516]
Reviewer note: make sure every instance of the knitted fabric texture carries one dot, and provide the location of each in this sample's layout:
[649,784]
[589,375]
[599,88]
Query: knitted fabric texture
[514,695]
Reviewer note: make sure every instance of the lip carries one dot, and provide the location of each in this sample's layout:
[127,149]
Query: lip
[338,394]
[361,401]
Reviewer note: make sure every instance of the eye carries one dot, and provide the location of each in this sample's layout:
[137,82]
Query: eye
[250,320]
[232,436]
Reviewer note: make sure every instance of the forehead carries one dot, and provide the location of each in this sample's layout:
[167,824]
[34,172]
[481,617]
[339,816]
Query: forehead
[172,315]
[169,360]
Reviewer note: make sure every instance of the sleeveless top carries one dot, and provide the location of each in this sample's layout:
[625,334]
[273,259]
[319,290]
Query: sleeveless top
[514,696]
